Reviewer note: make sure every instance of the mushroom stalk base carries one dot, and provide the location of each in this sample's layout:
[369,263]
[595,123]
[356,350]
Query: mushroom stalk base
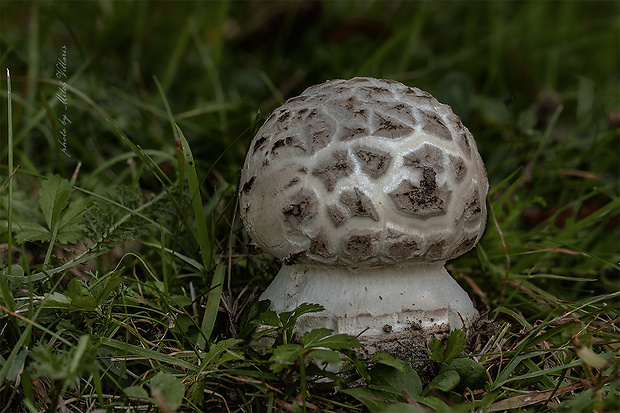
[373,301]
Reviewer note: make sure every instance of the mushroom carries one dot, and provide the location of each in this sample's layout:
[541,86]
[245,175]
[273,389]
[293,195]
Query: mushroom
[364,188]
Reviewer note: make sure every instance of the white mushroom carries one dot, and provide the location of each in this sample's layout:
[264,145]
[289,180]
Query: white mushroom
[364,188]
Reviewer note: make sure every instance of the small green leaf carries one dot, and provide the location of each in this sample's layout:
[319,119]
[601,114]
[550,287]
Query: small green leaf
[17,366]
[83,302]
[277,367]
[338,342]
[390,360]
[287,353]
[268,318]
[53,198]
[196,392]
[472,373]
[136,392]
[436,348]
[64,364]
[249,318]
[360,366]
[30,231]
[76,289]
[182,323]
[455,345]
[311,337]
[284,356]
[182,300]
[72,222]
[290,318]
[111,283]
[445,381]
[388,376]
[80,296]
[169,388]
[214,355]
[56,300]
[263,332]
[328,356]
[306,308]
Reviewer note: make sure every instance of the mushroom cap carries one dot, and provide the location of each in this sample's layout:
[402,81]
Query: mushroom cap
[363,172]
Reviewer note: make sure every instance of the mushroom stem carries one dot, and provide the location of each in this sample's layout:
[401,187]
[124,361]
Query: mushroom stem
[372,300]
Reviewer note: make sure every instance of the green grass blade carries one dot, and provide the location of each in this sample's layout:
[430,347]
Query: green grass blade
[539,373]
[24,338]
[33,69]
[98,387]
[130,350]
[10,165]
[159,174]
[16,350]
[213,302]
[202,231]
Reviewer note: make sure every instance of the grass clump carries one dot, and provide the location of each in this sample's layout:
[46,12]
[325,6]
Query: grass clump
[127,281]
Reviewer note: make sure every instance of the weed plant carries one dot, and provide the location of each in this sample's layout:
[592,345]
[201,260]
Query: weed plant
[127,282]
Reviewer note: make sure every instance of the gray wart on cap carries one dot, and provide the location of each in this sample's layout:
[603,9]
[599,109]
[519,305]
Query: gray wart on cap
[364,188]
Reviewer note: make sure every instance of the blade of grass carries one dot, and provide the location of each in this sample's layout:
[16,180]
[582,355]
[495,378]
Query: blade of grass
[518,317]
[16,350]
[33,69]
[31,322]
[10,165]
[546,380]
[213,302]
[161,156]
[98,387]
[177,254]
[608,298]
[551,277]
[24,337]
[28,389]
[82,346]
[528,399]
[539,373]
[545,139]
[272,87]
[159,174]
[131,350]
[201,232]
[535,336]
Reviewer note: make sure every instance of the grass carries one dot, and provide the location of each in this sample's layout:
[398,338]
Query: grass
[122,248]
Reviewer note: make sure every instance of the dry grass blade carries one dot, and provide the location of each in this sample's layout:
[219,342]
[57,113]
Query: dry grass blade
[9,178]
[531,398]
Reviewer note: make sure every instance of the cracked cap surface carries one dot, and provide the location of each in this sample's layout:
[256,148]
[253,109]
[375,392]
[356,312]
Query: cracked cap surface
[363,172]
